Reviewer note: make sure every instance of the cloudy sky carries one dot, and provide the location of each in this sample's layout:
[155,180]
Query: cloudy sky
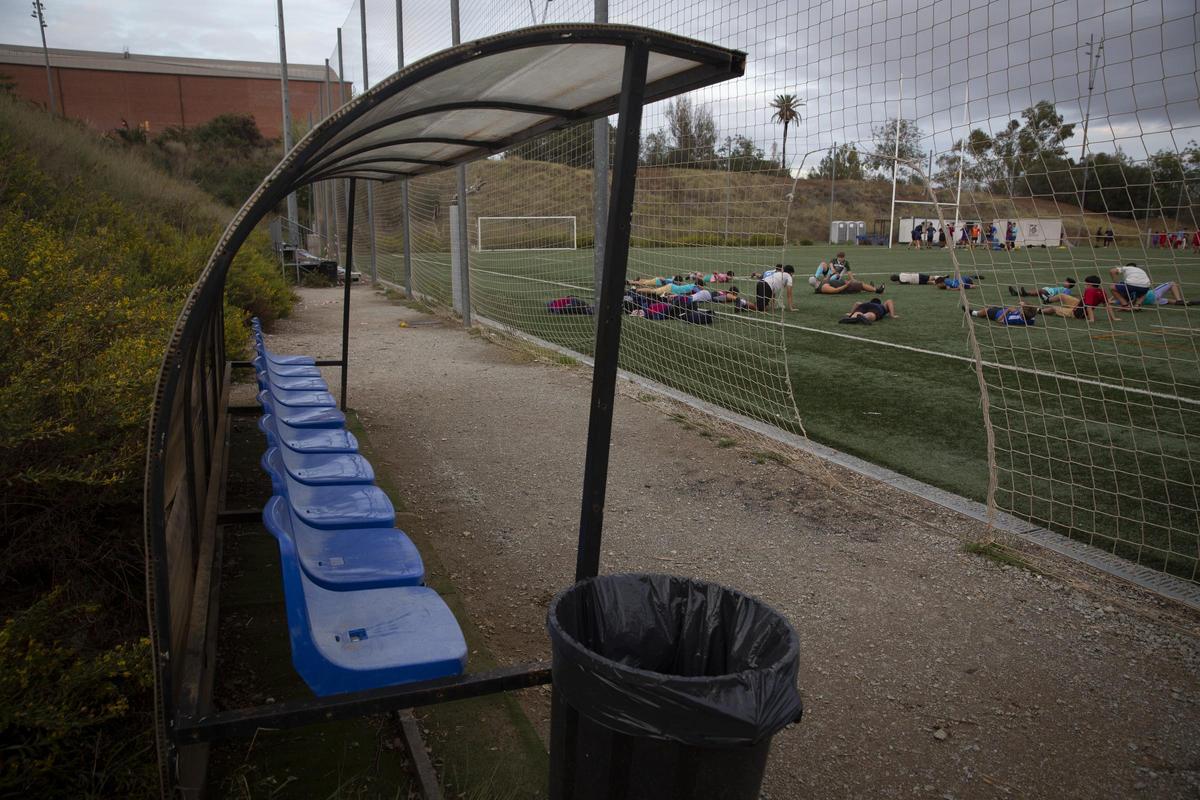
[849,60]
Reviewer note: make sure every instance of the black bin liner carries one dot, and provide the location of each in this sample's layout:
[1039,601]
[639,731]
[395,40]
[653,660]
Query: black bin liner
[666,687]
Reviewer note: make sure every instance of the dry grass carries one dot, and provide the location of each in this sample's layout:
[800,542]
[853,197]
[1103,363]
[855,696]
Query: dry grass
[67,149]
[674,203]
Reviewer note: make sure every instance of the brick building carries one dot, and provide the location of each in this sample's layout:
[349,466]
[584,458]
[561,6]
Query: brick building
[110,90]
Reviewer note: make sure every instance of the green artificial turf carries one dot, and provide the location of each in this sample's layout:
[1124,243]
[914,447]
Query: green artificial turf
[1111,467]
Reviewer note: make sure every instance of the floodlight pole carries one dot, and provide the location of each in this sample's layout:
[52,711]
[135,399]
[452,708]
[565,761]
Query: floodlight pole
[895,160]
[609,311]
[39,12]
[366,83]
[407,226]
[1093,65]
[962,145]
[599,180]
[287,116]
[346,291]
[832,181]
[462,271]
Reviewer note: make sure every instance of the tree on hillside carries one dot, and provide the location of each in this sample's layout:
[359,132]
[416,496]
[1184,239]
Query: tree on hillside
[689,140]
[840,163]
[787,111]
[741,154]
[884,145]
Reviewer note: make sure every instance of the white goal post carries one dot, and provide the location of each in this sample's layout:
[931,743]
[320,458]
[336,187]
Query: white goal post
[529,233]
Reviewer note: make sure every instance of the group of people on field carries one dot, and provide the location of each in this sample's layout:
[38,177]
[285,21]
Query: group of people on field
[1131,289]
[969,234]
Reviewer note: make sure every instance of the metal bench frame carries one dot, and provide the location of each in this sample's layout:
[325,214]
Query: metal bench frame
[186,460]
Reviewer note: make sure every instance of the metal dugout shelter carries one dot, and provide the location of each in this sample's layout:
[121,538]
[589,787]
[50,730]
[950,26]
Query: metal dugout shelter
[462,104]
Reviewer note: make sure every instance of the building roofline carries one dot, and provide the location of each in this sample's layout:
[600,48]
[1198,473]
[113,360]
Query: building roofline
[172,65]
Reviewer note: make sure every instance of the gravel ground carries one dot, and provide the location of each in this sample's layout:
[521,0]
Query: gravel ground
[926,671]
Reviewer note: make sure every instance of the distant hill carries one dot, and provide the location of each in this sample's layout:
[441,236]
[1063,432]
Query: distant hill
[701,206]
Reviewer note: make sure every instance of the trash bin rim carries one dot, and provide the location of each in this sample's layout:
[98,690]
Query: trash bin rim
[793,651]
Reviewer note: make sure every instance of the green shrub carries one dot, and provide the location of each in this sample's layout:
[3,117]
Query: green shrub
[70,724]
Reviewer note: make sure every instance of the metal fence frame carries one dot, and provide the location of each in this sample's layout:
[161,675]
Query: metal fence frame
[188,435]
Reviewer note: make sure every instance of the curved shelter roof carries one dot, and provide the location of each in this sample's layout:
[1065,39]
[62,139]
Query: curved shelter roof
[483,97]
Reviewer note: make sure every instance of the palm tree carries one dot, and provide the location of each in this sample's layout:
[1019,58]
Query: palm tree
[786,111]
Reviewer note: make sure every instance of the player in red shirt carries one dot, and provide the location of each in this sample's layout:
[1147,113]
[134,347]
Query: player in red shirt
[1094,297]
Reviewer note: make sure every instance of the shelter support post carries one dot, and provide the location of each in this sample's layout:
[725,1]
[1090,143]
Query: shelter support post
[609,310]
[460,281]
[346,291]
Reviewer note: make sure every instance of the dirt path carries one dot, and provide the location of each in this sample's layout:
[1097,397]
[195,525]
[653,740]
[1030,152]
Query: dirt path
[926,671]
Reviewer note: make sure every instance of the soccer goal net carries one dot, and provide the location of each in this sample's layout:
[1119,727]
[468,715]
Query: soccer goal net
[526,233]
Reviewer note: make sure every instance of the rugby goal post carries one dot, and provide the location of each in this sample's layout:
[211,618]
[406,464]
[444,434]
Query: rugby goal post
[517,233]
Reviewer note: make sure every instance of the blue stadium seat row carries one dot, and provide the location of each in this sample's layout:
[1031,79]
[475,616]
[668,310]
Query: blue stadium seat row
[359,614]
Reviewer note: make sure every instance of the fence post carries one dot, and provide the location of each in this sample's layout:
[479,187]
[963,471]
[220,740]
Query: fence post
[366,84]
[341,96]
[407,228]
[599,181]
[460,279]
[327,186]
[292,211]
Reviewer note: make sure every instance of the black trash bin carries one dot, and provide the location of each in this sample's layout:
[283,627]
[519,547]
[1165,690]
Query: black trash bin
[666,687]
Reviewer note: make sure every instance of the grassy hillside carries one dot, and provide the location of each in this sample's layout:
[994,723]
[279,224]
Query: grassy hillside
[678,205]
[98,251]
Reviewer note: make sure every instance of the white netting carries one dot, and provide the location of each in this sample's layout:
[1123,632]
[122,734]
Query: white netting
[1093,425]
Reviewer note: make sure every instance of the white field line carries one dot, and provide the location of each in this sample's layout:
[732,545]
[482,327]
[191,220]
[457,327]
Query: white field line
[994,365]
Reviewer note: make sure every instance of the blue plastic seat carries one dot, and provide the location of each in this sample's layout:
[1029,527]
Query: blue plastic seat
[315,469]
[347,560]
[302,416]
[366,639]
[291,384]
[306,440]
[340,507]
[285,370]
[300,399]
[282,360]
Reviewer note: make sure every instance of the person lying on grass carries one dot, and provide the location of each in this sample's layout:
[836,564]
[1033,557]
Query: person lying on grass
[654,282]
[1167,294]
[846,286]
[1019,315]
[1046,292]
[1131,284]
[915,278]
[669,289]
[711,277]
[1069,306]
[731,295]
[966,282]
[1094,297]
[870,311]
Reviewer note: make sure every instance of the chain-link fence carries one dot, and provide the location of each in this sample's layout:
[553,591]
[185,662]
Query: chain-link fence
[1036,144]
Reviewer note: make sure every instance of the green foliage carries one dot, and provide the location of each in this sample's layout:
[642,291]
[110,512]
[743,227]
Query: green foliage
[787,112]
[690,138]
[69,724]
[841,163]
[227,156]
[884,147]
[98,251]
